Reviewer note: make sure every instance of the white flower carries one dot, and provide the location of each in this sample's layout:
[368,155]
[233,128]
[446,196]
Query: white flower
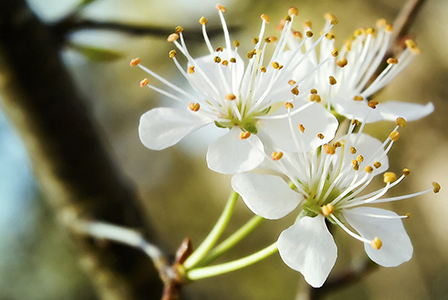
[327,184]
[344,83]
[246,100]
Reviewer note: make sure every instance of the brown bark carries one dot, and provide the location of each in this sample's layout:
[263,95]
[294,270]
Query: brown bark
[74,169]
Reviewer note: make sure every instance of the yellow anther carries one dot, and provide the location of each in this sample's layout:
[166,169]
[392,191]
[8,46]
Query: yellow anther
[335,53]
[341,62]
[368,169]
[358,98]
[225,63]
[289,105]
[408,215]
[219,49]
[203,21]
[372,104]
[381,23]
[308,24]
[337,144]
[309,34]
[178,29]
[233,60]
[251,53]
[194,106]
[352,150]
[394,136]
[355,162]
[191,70]
[297,34]
[236,43]
[275,65]
[436,186]
[293,11]
[255,40]
[263,69]
[392,61]
[291,82]
[265,18]
[377,164]
[360,158]
[389,27]
[358,32]
[217,59]
[244,135]
[321,136]
[401,122]
[295,91]
[412,46]
[272,38]
[172,53]
[313,92]
[315,97]
[172,37]
[348,45]
[333,80]
[406,172]
[330,36]
[330,149]
[376,243]
[134,62]
[356,166]
[370,30]
[221,7]
[327,209]
[230,97]
[287,18]
[276,155]
[144,82]
[389,177]
[355,122]
[301,128]
[330,17]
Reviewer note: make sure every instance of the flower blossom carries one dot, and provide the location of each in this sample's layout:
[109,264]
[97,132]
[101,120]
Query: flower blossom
[345,82]
[248,101]
[327,185]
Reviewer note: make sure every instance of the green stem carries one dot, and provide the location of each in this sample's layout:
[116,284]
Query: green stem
[232,240]
[205,272]
[214,235]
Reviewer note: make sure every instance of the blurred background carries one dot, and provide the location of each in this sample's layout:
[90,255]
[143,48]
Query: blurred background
[182,197]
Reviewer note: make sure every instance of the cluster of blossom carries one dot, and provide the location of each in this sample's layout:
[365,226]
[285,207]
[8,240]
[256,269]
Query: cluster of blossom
[279,112]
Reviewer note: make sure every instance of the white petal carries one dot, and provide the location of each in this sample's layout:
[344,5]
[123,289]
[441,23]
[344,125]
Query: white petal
[308,247]
[397,247]
[268,196]
[163,127]
[229,154]
[391,110]
[314,118]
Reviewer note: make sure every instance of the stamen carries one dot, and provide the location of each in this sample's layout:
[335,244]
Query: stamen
[412,46]
[436,186]
[217,59]
[352,150]
[358,98]
[134,62]
[406,172]
[293,11]
[342,62]
[377,164]
[276,155]
[372,104]
[327,209]
[194,106]
[203,21]
[191,69]
[172,53]
[392,61]
[255,40]
[376,243]
[335,53]
[297,34]
[295,91]
[389,177]
[244,135]
[330,149]
[291,82]
[265,18]
[301,128]
[394,136]
[221,7]
[321,136]
[263,69]
[360,158]
[219,49]
[230,97]
[332,80]
[178,29]
[289,105]
[368,169]
[401,122]
[313,91]
[309,34]
[315,98]
[236,43]
[331,18]
[144,82]
[172,37]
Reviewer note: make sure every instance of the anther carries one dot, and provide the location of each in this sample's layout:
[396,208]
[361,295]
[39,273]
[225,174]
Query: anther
[301,128]
[272,38]
[358,32]
[178,29]
[309,34]
[191,70]
[172,37]
[381,23]
[355,165]
[236,44]
[358,98]
[376,243]
[337,144]
[230,97]
[321,136]
[315,97]
[335,53]
[291,82]
[144,82]
[297,34]
[412,46]
[265,18]
[389,177]
[225,63]
[408,216]
[275,65]
[352,150]
[295,91]
[293,11]
[394,136]
[203,21]
[372,104]
[276,155]
[194,106]
[327,209]
[289,105]
[217,59]
[406,172]
[313,92]
[263,69]
[401,122]
[332,80]
[287,18]
[360,158]
[219,49]
[342,62]
[355,122]
[172,53]
[330,36]
[330,17]
[251,54]
[221,7]
[134,62]
[348,45]
[370,30]
[233,60]
[389,27]
[308,24]
[244,135]
[330,149]
[255,40]
[392,61]
[436,186]
[368,169]
[377,164]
